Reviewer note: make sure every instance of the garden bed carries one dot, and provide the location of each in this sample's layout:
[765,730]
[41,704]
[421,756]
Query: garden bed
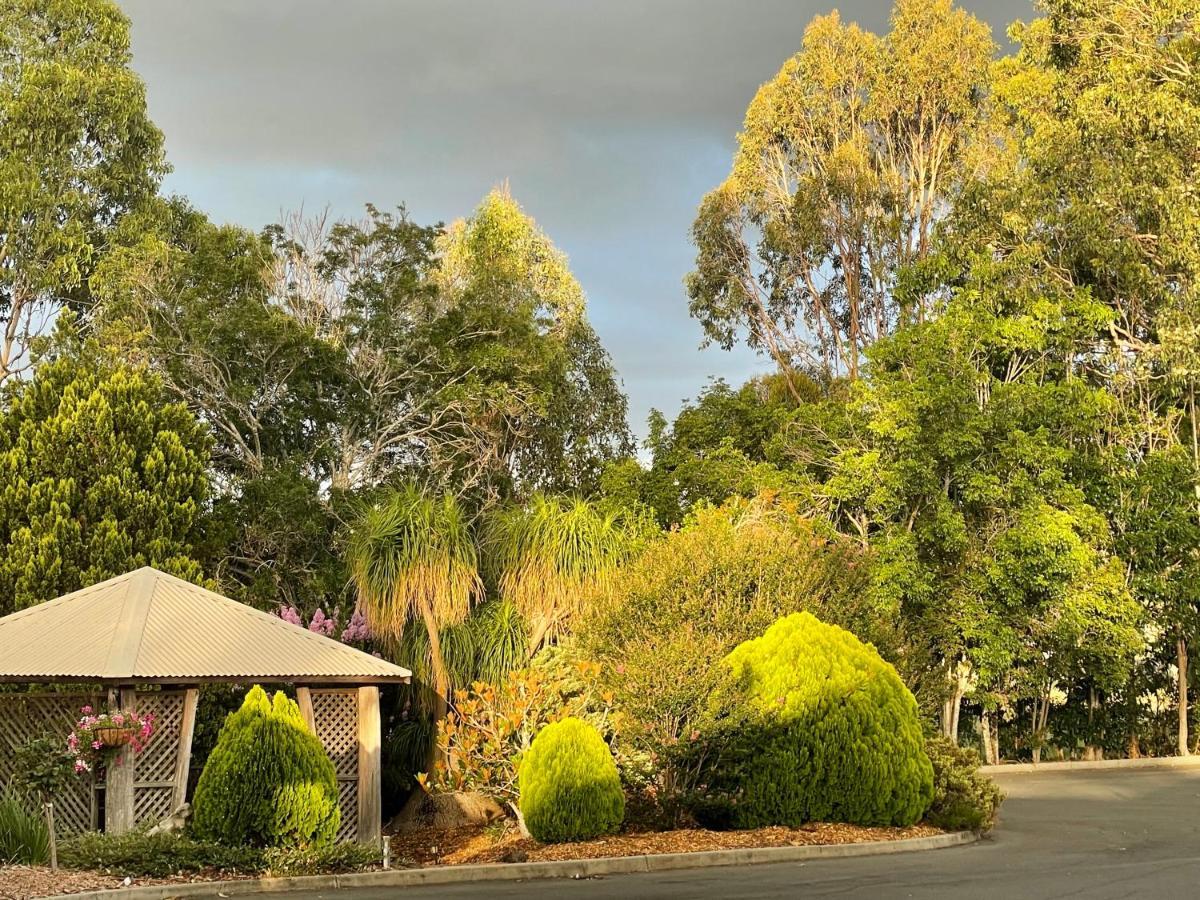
[503,843]
[24,882]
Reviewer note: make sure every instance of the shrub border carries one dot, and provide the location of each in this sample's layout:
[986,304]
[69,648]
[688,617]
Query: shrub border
[576,868]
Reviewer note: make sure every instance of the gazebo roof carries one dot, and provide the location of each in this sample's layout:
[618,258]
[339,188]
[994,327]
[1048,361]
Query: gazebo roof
[150,627]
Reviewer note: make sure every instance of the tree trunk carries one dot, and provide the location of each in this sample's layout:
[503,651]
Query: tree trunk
[49,810]
[441,678]
[1092,750]
[1181,650]
[991,744]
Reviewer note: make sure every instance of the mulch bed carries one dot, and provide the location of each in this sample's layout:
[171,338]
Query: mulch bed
[503,843]
[25,882]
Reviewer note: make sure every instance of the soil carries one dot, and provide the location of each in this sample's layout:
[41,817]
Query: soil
[502,842]
[25,882]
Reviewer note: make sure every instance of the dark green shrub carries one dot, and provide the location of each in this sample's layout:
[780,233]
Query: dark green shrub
[268,782]
[569,786]
[24,837]
[328,860]
[963,798]
[156,856]
[810,724]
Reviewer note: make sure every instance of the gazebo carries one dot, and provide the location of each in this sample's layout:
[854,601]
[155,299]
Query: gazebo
[148,640]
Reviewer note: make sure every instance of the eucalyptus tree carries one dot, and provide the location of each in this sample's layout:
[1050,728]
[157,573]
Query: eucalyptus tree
[846,161]
[77,152]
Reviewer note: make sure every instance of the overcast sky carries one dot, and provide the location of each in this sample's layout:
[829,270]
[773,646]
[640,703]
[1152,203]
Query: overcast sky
[609,119]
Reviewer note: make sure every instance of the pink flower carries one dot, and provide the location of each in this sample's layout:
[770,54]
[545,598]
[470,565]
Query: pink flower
[118,719]
[86,710]
[96,745]
[81,766]
[356,631]
[290,614]
[320,624]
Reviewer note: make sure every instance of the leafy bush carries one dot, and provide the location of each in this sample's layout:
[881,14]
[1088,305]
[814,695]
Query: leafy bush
[160,855]
[268,782]
[570,789]
[482,740]
[963,798]
[24,837]
[810,724]
[697,593]
[327,860]
[155,855]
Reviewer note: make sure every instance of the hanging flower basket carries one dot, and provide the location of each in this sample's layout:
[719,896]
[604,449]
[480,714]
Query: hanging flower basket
[114,737]
[99,736]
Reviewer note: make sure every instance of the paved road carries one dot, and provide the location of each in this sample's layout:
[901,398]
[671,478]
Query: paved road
[1097,835]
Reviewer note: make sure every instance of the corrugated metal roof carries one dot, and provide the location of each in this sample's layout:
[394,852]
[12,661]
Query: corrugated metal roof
[148,626]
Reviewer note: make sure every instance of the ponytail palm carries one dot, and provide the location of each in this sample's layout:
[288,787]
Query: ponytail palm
[413,558]
[548,557]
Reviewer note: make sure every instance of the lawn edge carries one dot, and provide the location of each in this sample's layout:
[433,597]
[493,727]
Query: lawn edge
[575,868]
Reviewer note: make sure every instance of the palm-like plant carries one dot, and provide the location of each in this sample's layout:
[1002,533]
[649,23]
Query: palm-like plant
[548,557]
[413,558]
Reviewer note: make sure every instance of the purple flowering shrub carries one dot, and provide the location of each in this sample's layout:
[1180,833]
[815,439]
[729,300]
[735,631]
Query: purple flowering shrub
[356,630]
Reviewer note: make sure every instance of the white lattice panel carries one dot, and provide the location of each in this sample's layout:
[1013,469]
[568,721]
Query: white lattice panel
[335,717]
[27,716]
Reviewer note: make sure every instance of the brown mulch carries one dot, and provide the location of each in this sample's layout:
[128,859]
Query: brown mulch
[503,843]
[25,882]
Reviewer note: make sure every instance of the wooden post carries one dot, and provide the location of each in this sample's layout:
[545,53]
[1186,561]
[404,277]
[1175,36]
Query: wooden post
[183,759]
[304,701]
[370,783]
[118,789]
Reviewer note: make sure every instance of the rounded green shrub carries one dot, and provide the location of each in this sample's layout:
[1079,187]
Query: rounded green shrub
[811,724]
[964,799]
[569,786]
[268,781]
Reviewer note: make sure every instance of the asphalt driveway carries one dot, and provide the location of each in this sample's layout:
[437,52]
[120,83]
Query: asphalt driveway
[1091,834]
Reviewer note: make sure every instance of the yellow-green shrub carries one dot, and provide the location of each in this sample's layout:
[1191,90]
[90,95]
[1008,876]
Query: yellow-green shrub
[810,724]
[569,787]
[268,782]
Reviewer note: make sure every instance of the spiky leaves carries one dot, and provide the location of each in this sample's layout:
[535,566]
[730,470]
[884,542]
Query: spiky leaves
[412,557]
[548,557]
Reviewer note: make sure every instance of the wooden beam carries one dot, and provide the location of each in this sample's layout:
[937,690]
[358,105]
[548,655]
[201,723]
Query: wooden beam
[118,785]
[304,701]
[183,759]
[370,779]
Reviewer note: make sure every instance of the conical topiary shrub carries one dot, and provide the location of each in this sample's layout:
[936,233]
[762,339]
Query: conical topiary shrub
[268,782]
[811,725]
[569,786]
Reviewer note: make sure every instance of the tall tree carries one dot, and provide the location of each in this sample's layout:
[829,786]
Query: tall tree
[1102,121]
[100,473]
[549,411]
[77,151]
[846,160]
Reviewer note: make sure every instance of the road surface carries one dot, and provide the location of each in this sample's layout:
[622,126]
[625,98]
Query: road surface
[1088,834]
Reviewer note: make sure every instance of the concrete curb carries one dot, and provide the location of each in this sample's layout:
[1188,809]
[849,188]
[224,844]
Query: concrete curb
[1147,762]
[577,868]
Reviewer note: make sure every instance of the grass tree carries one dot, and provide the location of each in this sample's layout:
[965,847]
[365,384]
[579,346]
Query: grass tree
[547,557]
[413,559]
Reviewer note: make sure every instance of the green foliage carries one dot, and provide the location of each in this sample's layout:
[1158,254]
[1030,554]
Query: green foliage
[268,782]
[42,767]
[24,835]
[963,798]
[491,726]
[155,855]
[698,592]
[77,152]
[568,783]
[163,855]
[99,474]
[810,724]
